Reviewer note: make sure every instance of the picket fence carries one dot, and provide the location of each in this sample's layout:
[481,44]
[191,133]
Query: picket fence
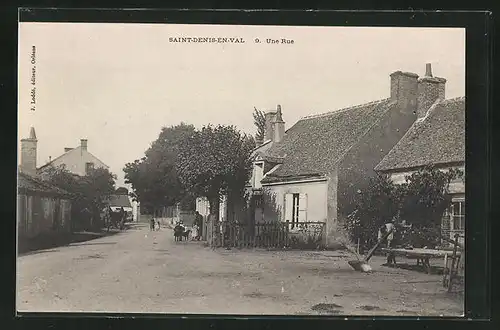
[276,235]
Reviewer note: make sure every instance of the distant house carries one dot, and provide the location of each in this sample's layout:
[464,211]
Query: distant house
[118,201]
[41,207]
[317,167]
[77,160]
[436,138]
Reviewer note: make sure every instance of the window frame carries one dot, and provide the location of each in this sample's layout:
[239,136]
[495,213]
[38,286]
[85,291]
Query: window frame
[460,216]
[87,166]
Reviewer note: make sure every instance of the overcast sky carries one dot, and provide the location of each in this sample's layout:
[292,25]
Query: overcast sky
[118,84]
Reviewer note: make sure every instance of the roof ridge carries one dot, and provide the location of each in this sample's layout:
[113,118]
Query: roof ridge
[429,111]
[341,110]
[361,136]
[454,99]
[53,160]
[67,152]
[381,166]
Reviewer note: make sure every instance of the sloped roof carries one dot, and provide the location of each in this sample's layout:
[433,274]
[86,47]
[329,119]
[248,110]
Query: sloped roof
[315,144]
[437,139]
[119,201]
[67,153]
[27,182]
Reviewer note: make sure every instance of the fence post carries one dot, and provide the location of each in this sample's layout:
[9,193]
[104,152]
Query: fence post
[287,233]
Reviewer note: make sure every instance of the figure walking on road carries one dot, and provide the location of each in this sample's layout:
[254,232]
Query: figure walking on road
[152,224]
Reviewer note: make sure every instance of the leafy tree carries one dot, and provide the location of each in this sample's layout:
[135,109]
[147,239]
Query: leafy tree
[215,161]
[154,177]
[89,192]
[425,196]
[420,201]
[259,121]
[374,207]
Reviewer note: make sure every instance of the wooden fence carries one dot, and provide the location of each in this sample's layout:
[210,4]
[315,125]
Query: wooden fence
[42,215]
[261,235]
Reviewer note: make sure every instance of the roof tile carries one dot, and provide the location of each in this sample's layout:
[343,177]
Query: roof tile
[315,144]
[437,139]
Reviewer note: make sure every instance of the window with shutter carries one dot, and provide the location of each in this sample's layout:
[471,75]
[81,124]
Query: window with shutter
[302,214]
[295,209]
[288,207]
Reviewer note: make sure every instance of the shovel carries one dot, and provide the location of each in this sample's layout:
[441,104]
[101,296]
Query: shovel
[362,265]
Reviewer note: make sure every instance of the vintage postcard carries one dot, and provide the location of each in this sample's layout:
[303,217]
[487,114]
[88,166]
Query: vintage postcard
[233,169]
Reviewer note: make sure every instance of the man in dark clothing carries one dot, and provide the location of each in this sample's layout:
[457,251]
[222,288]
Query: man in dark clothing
[152,224]
[198,220]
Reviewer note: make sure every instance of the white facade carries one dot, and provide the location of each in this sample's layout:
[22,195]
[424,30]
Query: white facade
[301,201]
[77,161]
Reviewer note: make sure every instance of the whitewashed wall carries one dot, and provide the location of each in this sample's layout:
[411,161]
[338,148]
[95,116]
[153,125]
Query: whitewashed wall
[457,186]
[316,198]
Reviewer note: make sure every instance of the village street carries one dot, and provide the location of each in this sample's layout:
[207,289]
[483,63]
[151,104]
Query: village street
[143,271]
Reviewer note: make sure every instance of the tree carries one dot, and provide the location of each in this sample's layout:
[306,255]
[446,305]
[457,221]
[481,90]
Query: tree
[89,192]
[374,207]
[215,161]
[259,120]
[154,177]
[425,196]
[420,201]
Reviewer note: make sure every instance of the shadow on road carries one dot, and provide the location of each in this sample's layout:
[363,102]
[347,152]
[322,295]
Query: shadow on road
[44,243]
[437,270]
[101,243]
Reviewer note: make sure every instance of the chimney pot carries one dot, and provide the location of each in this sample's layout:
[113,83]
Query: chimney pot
[28,153]
[83,144]
[278,126]
[269,130]
[428,70]
[404,89]
[430,89]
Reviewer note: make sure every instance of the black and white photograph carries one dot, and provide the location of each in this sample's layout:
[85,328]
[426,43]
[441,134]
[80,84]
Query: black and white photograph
[241,169]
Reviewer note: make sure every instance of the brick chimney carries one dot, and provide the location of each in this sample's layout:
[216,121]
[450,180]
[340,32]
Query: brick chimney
[430,89]
[269,131]
[278,126]
[83,144]
[28,153]
[404,90]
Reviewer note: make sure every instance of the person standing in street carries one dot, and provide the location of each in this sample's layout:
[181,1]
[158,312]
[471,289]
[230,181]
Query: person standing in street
[388,227]
[152,224]
[198,220]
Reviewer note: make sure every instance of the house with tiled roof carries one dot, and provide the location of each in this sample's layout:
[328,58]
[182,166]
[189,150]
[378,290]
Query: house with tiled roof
[118,201]
[42,209]
[317,167]
[78,161]
[436,138]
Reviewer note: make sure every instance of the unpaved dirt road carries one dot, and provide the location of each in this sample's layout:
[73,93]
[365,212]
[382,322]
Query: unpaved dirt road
[142,271]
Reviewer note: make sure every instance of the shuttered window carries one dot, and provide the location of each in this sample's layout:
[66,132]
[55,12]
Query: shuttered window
[295,208]
[302,208]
